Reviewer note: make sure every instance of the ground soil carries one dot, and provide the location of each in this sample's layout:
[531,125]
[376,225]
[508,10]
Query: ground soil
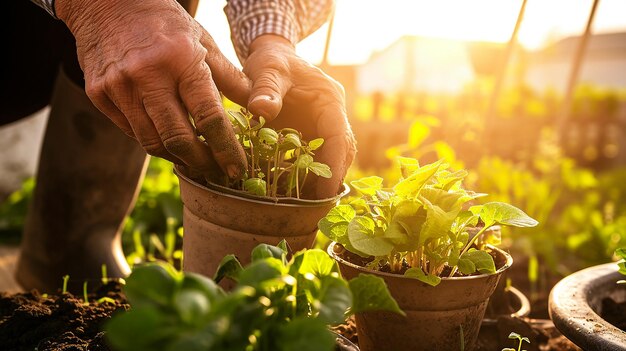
[614,313]
[31,321]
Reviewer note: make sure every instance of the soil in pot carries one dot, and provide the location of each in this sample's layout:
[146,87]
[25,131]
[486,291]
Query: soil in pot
[30,321]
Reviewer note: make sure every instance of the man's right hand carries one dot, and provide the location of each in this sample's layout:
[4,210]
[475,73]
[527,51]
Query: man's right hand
[148,65]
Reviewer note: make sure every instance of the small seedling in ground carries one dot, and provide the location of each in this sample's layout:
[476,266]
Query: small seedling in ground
[520,339]
[106,299]
[85,297]
[66,278]
[105,278]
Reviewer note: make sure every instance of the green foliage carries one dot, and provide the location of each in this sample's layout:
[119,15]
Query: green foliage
[420,221]
[621,253]
[279,161]
[278,304]
[154,228]
[13,212]
[520,339]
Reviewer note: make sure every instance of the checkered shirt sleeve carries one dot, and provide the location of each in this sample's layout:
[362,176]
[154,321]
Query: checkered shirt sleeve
[292,19]
[47,5]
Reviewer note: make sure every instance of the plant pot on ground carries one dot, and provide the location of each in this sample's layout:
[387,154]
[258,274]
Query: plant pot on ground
[223,216]
[578,307]
[418,236]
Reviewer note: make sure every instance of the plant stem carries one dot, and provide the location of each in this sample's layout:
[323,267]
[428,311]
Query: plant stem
[297,182]
[467,247]
[275,177]
[304,179]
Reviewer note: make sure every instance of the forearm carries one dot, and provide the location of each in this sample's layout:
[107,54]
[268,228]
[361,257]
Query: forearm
[291,19]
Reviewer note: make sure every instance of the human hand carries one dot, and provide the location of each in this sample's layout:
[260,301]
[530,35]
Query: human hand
[147,66]
[289,92]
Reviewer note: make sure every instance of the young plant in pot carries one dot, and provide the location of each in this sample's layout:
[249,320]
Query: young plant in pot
[278,304]
[433,250]
[223,217]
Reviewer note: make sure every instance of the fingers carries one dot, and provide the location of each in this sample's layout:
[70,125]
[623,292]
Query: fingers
[172,133]
[229,79]
[270,84]
[201,97]
[338,151]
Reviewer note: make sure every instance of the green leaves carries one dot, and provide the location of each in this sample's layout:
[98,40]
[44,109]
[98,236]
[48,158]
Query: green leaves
[419,274]
[335,224]
[520,339]
[502,213]
[320,170]
[368,185]
[255,186]
[370,294]
[274,155]
[476,261]
[413,184]
[361,232]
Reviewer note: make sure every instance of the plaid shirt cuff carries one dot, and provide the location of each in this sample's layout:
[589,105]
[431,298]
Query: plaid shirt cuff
[47,5]
[291,19]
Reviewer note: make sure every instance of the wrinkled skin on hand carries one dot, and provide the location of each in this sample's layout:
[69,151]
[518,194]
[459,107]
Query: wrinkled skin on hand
[290,92]
[148,65]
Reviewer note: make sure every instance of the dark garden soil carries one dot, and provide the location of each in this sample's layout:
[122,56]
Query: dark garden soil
[542,334]
[614,313]
[31,321]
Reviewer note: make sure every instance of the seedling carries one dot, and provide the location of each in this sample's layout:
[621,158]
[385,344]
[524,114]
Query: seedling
[279,161]
[106,299]
[520,339]
[278,304]
[66,278]
[105,278]
[85,297]
[420,227]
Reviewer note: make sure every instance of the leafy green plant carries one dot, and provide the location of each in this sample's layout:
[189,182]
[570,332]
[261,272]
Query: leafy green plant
[419,227]
[520,339]
[278,304]
[279,161]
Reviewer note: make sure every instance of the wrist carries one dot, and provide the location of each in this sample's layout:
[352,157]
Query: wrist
[73,12]
[272,41]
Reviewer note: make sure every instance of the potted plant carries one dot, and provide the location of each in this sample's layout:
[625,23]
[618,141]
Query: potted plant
[278,304]
[221,216]
[416,236]
[586,306]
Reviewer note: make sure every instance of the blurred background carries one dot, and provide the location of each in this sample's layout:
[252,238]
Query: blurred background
[529,96]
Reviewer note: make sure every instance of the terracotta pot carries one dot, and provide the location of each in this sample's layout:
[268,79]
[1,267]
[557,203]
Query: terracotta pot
[576,304]
[218,221]
[434,315]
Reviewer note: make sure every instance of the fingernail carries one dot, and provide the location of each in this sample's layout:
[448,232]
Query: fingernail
[233,171]
[262,97]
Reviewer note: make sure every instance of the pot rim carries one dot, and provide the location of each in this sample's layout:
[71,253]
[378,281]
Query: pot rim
[507,264]
[523,311]
[573,315]
[240,195]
